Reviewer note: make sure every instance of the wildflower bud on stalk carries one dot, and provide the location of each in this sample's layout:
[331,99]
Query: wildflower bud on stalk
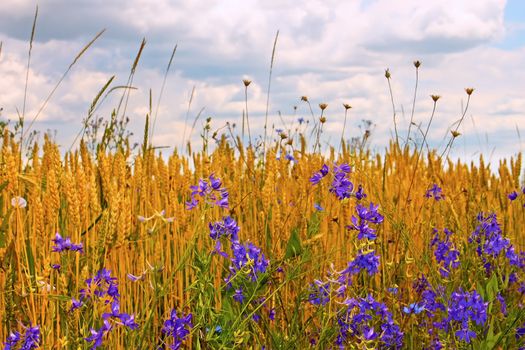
[469,91]
[283,136]
[455,133]
[304,98]
[435,97]
[417,64]
[323,106]
[346,106]
[322,120]
[289,142]
[247,82]
[387,73]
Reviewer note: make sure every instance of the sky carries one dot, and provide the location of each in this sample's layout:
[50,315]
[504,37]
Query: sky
[333,52]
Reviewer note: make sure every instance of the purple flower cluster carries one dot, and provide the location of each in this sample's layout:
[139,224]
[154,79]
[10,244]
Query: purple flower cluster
[367,320]
[465,308]
[491,243]
[435,192]
[341,185]
[359,320]
[247,258]
[319,293]
[30,340]
[102,285]
[445,252]
[459,312]
[178,328]
[363,261]
[366,216]
[225,228]
[211,191]
[62,244]
[431,299]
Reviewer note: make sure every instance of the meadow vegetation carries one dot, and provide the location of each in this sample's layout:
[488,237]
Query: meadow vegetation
[279,242]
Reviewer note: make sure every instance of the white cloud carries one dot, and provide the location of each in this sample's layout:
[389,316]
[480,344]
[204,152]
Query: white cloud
[331,51]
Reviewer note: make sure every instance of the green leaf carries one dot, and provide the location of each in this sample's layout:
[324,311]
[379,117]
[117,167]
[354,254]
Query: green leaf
[3,185]
[293,247]
[4,227]
[492,290]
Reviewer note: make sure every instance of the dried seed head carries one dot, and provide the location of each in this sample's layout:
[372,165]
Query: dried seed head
[322,120]
[323,106]
[417,63]
[283,136]
[455,133]
[387,73]
[246,82]
[304,98]
[435,97]
[346,106]
[469,91]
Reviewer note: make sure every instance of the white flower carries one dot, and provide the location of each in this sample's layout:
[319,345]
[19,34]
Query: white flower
[18,202]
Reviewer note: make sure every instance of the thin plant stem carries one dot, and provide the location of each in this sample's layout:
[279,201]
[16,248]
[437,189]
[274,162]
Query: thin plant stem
[449,145]
[162,91]
[420,151]
[75,60]
[22,116]
[344,126]
[247,119]
[387,74]
[268,96]
[413,107]
[186,118]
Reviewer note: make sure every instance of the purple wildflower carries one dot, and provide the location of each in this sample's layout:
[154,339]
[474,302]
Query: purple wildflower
[360,193]
[62,244]
[413,308]
[12,340]
[435,192]
[464,307]
[319,293]
[238,296]
[97,336]
[316,178]
[502,303]
[178,328]
[75,304]
[247,256]
[445,252]
[370,320]
[227,227]
[128,321]
[210,191]
[368,262]
[513,195]
[341,186]
[30,339]
[271,314]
